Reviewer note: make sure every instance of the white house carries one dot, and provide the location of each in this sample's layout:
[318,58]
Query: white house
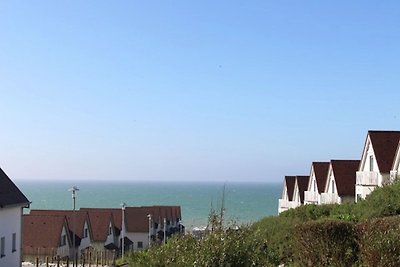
[341,181]
[395,171]
[12,201]
[376,161]
[286,200]
[316,185]
[300,186]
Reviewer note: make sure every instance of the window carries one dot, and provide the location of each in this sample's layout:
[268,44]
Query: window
[85,234]
[63,240]
[2,247]
[333,186]
[140,244]
[109,231]
[14,242]
[371,163]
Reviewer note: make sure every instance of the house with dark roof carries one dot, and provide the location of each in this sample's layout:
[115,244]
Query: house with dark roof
[300,186]
[341,180]
[376,161]
[12,202]
[317,181]
[286,200]
[395,170]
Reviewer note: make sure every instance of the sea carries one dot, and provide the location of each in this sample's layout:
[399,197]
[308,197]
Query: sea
[243,203]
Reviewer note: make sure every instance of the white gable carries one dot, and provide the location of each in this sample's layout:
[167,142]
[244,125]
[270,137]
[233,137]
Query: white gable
[296,192]
[330,186]
[284,192]
[396,162]
[312,183]
[368,159]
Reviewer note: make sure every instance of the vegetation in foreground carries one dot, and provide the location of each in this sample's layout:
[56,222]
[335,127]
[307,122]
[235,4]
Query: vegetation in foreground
[362,234]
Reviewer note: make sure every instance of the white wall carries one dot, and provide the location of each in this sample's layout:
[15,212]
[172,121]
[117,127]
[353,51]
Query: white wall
[10,222]
[136,237]
[85,241]
[65,250]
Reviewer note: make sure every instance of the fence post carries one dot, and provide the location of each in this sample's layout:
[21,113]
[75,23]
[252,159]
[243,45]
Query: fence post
[90,258]
[37,261]
[47,261]
[67,261]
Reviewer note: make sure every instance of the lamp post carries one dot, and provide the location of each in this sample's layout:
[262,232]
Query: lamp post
[73,190]
[149,216]
[123,206]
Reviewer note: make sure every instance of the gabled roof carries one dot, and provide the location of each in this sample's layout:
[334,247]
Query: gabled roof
[10,195]
[321,174]
[345,176]
[99,223]
[384,144]
[80,217]
[290,181]
[42,231]
[136,220]
[117,214]
[302,183]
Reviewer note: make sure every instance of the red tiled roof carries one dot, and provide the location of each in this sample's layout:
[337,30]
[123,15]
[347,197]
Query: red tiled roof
[99,223]
[384,144]
[345,176]
[9,193]
[302,183]
[136,220]
[321,174]
[42,231]
[117,214]
[290,181]
[80,217]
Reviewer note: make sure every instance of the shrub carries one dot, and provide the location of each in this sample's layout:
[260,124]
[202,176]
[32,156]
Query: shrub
[326,243]
[379,242]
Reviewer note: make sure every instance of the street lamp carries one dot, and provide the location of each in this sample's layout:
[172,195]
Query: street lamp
[149,216]
[123,206]
[73,190]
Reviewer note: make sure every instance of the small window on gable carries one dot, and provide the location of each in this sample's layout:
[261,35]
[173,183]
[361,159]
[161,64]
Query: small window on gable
[2,247]
[14,242]
[109,230]
[371,163]
[333,186]
[85,234]
[140,244]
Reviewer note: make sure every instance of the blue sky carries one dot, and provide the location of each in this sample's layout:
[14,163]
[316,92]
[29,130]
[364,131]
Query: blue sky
[193,90]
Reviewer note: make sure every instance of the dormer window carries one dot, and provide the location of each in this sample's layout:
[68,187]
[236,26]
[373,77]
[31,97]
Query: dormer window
[85,234]
[333,186]
[109,231]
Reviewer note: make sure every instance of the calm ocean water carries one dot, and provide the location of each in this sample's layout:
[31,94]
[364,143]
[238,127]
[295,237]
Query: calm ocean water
[244,202]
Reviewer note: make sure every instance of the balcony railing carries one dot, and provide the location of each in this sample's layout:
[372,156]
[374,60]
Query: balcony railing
[329,198]
[367,178]
[311,196]
[285,204]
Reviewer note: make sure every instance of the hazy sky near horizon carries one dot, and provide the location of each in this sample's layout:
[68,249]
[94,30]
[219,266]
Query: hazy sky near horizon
[193,90]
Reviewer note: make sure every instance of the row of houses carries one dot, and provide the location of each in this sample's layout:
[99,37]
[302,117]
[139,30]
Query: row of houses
[339,181]
[61,233]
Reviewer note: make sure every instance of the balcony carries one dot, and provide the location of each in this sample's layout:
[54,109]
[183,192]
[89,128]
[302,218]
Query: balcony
[367,178]
[329,198]
[285,205]
[311,196]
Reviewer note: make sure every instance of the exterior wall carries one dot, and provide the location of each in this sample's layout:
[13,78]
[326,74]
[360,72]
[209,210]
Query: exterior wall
[10,222]
[65,250]
[85,241]
[112,238]
[311,196]
[330,195]
[368,175]
[138,237]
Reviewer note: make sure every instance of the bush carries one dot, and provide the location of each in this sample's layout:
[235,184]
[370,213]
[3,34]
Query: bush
[379,242]
[326,243]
